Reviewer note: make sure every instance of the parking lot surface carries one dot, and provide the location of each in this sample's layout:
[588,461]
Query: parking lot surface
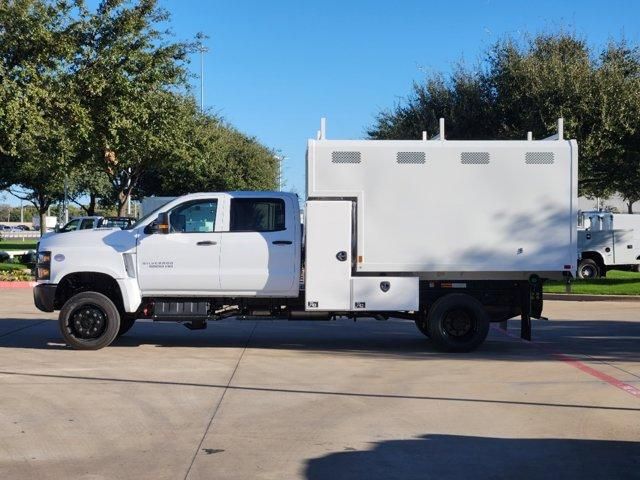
[321,400]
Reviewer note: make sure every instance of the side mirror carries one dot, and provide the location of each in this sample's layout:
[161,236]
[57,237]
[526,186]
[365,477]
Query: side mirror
[162,223]
[159,225]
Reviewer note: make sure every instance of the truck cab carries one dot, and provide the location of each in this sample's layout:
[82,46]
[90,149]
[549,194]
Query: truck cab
[213,244]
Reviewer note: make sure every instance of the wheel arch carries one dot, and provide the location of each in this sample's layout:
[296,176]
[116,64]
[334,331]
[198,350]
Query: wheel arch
[596,257]
[88,281]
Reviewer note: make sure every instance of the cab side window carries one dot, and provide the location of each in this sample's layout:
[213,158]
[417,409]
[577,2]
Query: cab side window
[257,215]
[86,224]
[198,216]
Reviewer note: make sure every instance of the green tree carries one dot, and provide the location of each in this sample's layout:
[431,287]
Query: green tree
[213,157]
[41,120]
[527,86]
[129,70]
[617,141]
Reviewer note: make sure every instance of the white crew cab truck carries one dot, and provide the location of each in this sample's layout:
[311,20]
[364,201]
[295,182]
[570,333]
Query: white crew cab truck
[373,245]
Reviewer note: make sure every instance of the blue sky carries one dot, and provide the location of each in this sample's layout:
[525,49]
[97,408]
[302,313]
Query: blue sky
[275,67]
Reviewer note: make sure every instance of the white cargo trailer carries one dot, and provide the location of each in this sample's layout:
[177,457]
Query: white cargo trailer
[450,234]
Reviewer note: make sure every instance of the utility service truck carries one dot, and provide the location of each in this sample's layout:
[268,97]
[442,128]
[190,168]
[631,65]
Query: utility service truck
[607,241]
[372,245]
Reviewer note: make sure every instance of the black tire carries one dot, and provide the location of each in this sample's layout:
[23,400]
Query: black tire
[457,323]
[588,269]
[89,321]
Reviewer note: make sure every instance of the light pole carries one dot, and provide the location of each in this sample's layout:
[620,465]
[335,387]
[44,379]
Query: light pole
[280,159]
[201,37]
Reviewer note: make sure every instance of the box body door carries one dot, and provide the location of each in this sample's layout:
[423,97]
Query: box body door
[328,227]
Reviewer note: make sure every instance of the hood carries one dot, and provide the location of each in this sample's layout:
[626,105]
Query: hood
[111,238]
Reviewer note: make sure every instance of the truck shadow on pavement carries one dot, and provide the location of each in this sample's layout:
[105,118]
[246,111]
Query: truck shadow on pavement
[464,457]
[607,341]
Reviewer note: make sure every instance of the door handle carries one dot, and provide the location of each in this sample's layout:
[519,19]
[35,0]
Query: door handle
[282,242]
[207,242]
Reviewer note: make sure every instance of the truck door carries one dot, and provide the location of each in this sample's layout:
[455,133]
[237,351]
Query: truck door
[258,255]
[187,259]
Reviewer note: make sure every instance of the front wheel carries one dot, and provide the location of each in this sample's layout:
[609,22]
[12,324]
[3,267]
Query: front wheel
[457,323]
[89,321]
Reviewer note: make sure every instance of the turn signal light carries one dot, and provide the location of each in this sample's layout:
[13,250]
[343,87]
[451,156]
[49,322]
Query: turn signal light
[43,273]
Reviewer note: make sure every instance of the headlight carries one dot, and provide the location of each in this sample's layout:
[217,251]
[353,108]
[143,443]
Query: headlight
[43,266]
[44,257]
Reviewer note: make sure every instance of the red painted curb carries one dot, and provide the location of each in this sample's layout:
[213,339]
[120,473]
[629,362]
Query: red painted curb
[17,285]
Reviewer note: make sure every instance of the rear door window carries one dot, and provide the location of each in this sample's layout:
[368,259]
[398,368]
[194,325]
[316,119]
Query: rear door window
[257,215]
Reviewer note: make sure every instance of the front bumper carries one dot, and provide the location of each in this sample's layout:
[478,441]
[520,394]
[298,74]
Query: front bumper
[44,295]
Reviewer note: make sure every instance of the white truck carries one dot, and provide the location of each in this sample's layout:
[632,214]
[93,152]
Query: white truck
[373,245]
[607,241]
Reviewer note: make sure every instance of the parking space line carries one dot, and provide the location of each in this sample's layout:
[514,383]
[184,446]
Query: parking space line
[325,392]
[563,357]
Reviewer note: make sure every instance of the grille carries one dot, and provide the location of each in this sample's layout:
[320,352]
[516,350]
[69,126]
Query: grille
[417,158]
[539,158]
[346,157]
[474,158]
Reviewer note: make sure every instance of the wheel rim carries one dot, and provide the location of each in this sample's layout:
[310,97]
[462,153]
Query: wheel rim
[87,322]
[588,271]
[459,324]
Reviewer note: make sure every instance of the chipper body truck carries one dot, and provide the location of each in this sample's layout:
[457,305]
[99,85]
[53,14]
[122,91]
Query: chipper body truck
[450,234]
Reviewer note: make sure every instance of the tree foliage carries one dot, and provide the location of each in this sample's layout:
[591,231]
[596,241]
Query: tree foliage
[527,86]
[98,100]
[219,159]
[41,120]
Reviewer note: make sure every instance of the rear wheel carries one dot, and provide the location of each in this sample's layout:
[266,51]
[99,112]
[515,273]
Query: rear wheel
[457,323]
[588,268]
[89,321]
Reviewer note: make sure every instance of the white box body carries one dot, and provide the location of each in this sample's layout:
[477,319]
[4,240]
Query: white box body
[368,293]
[455,209]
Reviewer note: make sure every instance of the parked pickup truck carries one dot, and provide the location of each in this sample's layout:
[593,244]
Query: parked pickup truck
[372,246]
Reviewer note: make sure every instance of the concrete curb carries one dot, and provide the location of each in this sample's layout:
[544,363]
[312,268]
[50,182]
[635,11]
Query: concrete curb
[591,298]
[17,285]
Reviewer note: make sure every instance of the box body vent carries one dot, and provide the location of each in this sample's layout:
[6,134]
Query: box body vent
[346,157]
[417,158]
[538,158]
[474,158]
